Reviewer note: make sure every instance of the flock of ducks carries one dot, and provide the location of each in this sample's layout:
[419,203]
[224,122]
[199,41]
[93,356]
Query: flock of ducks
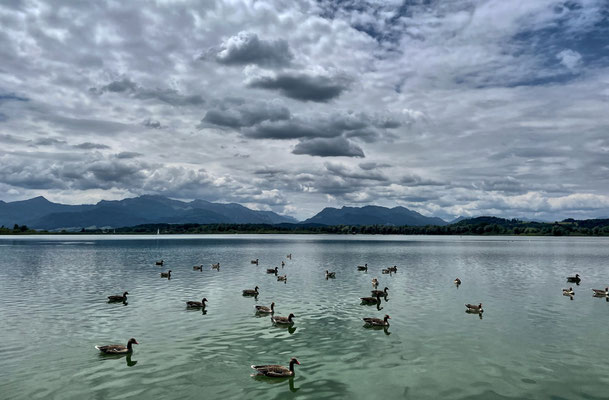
[280,371]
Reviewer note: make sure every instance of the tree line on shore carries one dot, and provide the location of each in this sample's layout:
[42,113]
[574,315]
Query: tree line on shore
[472,226]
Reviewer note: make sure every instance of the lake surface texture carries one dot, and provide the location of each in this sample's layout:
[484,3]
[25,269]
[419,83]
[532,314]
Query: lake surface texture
[532,341]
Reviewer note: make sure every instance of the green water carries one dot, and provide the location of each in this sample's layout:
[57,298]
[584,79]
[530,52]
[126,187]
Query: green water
[532,342]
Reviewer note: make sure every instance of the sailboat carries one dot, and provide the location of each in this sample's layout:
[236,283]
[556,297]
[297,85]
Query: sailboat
[158,231]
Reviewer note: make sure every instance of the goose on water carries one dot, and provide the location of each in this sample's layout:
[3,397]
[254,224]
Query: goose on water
[289,256]
[277,371]
[265,309]
[599,292]
[282,264]
[118,348]
[283,320]
[575,278]
[161,262]
[383,292]
[250,292]
[198,267]
[283,278]
[330,274]
[371,300]
[118,297]
[166,274]
[272,270]
[393,269]
[196,304]
[568,292]
[386,271]
[375,282]
[254,261]
[377,321]
[362,267]
[216,266]
[457,281]
[474,306]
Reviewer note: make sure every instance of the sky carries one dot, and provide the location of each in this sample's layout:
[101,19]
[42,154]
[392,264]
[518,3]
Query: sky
[449,107]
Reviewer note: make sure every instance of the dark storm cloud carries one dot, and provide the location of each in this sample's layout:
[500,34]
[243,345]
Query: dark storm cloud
[415,180]
[12,97]
[244,114]
[303,86]
[292,129]
[334,147]
[91,146]
[149,123]
[128,154]
[373,165]
[49,142]
[170,96]
[246,48]
[345,172]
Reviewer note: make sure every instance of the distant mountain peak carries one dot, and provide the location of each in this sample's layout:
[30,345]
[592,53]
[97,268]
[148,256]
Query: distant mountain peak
[372,215]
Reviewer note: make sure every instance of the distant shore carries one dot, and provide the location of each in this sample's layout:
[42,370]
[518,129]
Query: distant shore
[484,226]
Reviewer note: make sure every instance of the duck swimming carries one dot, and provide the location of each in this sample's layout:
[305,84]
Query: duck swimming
[198,267]
[568,292]
[265,309]
[277,371]
[118,297]
[599,292]
[118,348]
[272,270]
[166,274]
[283,320]
[362,267]
[371,300]
[377,321]
[196,304]
[575,279]
[250,292]
[330,274]
[383,292]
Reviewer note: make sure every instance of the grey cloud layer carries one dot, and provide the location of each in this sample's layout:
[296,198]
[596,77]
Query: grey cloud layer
[449,108]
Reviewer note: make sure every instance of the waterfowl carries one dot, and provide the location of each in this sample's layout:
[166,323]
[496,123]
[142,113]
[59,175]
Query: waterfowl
[272,270]
[118,348]
[250,292]
[377,321]
[386,271]
[119,297]
[265,309]
[283,320]
[166,274]
[362,267]
[383,292]
[393,269]
[474,307]
[289,256]
[277,371]
[216,266]
[282,264]
[283,278]
[568,292]
[330,274]
[196,304]
[575,278]
[375,282]
[457,281]
[254,261]
[198,267]
[161,262]
[371,300]
[598,292]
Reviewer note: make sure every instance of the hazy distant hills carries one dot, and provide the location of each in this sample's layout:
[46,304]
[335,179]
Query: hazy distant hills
[39,213]
[372,215]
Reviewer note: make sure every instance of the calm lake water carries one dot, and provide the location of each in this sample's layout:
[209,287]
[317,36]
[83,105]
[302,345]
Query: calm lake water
[532,342]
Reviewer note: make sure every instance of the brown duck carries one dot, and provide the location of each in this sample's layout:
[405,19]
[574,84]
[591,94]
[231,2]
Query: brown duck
[250,292]
[283,320]
[272,270]
[362,267]
[198,267]
[196,304]
[118,348]
[377,321]
[166,274]
[383,292]
[265,309]
[277,371]
[474,306]
[254,261]
[118,297]
[161,262]
[371,300]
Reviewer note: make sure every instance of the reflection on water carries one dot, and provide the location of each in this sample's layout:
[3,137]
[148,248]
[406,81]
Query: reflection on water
[517,351]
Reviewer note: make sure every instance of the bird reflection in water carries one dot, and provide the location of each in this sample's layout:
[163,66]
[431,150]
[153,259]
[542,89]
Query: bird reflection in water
[385,329]
[128,359]
[275,381]
[474,312]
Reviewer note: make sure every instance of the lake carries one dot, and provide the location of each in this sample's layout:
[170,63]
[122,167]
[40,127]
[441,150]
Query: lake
[532,342]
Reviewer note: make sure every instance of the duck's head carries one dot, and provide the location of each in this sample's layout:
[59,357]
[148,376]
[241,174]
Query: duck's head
[293,360]
[273,305]
[125,294]
[291,316]
[386,289]
[577,275]
[387,317]
[256,288]
[132,341]
[204,300]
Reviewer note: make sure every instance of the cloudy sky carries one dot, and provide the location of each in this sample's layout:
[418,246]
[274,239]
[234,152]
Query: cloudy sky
[447,107]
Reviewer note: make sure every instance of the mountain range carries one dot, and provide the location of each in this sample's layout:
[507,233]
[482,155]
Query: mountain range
[39,213]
